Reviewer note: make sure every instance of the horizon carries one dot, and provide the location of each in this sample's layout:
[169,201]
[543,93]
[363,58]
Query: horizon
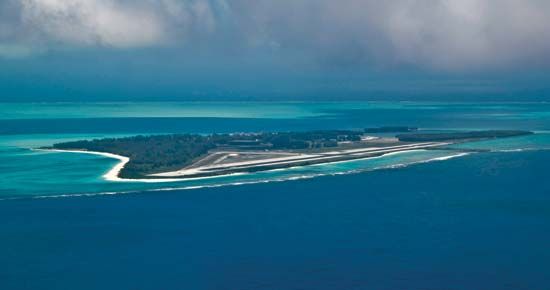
[274,144]
[168,50]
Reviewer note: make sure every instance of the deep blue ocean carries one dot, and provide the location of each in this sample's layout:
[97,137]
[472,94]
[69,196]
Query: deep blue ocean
[417,220]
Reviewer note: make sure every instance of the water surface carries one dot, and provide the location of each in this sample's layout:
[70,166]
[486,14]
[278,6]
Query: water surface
[416,220]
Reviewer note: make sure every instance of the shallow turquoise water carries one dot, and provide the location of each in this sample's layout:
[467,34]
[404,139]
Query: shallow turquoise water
[414,220]
[38,173]
[476,222]
[24,172]
[245,109]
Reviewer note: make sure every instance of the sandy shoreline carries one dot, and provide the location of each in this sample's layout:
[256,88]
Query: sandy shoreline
[293,161]
[113,173]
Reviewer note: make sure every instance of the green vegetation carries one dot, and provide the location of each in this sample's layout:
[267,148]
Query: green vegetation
[161,153]
[148,153]
[158,153]
[427,137]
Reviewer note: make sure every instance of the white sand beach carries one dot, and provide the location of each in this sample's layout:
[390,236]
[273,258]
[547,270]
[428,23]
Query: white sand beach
[290,161]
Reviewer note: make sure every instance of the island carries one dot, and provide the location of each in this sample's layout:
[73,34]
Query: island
[196,155]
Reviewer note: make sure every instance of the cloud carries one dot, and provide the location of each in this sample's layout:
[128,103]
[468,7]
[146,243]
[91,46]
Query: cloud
[101,22]
[445,34]
[451,35]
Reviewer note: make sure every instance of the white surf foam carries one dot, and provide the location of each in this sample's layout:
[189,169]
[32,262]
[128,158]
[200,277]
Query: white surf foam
[113,173]
[260,181]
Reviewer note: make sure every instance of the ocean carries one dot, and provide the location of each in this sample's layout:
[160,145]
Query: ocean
[415,220]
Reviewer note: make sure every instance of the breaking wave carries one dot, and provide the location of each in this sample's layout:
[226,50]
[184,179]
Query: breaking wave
[239,183]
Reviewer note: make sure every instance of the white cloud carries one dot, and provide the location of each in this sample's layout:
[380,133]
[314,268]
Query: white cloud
[93,22]
[102,23]
[441,34]
[438,34]
[466,33]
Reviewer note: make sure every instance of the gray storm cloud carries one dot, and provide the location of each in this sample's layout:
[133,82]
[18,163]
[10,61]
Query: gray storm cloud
[442,34]
[103,23]
[445,34]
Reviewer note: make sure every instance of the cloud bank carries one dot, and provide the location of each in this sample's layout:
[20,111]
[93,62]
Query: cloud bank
[83,22]
[445,34]
[43,24]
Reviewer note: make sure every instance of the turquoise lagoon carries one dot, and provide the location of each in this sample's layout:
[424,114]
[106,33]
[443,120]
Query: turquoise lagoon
[28,173]
[416,220]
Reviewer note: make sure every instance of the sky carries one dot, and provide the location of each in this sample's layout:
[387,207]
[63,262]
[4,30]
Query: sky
[86,50]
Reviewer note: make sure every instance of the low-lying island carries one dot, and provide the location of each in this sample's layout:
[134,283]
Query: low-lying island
[194,155]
